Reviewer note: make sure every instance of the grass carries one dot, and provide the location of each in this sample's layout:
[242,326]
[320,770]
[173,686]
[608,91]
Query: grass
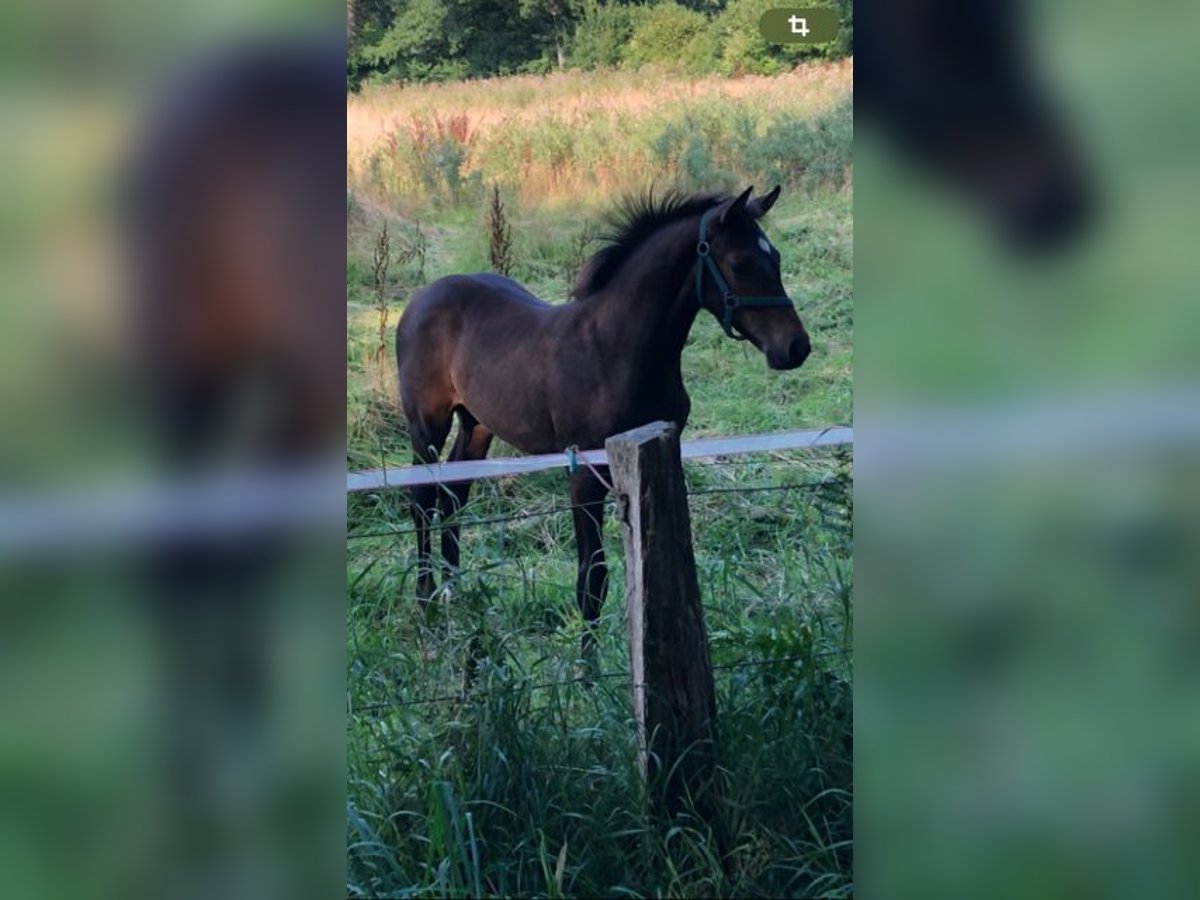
[474,785]
[576,136]
[478,764]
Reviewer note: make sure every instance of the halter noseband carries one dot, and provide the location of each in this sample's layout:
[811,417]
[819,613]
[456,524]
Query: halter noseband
[732,301]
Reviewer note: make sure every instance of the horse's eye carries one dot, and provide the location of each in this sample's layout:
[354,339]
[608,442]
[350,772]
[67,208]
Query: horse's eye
[743,266]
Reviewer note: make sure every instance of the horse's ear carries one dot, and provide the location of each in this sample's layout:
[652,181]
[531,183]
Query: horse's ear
[736,205]
[760,206]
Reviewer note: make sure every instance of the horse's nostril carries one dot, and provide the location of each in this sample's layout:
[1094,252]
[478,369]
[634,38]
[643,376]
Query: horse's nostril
[801,347]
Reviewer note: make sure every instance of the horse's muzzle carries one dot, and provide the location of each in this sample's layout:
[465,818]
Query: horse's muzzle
[795,354]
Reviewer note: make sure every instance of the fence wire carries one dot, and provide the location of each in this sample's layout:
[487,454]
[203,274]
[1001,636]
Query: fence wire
[841,480]
[453,522]
[463,696]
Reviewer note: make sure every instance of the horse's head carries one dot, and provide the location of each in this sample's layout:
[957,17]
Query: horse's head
[738,280]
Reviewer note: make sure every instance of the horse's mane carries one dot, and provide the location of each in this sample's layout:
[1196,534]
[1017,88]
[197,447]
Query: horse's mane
[636,218]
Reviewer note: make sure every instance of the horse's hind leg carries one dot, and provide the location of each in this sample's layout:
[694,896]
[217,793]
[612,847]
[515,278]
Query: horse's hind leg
[429,433]
[472,443]
[591,583]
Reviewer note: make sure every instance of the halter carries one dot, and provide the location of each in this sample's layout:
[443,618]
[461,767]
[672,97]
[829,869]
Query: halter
[732,301]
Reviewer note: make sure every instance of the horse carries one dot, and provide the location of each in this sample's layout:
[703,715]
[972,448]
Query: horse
[235,216]
[545,378]
[237,224]
[953,88]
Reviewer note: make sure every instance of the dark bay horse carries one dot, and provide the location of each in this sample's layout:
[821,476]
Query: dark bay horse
[956,89]
[544,378]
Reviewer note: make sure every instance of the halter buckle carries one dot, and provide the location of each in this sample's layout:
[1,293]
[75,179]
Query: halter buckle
[702,248]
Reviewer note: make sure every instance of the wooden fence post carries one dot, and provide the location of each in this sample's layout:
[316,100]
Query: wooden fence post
[673,694]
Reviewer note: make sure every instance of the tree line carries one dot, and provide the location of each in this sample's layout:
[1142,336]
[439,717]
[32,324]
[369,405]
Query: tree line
[444,40]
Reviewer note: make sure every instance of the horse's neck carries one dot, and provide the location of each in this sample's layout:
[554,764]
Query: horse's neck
[650,308]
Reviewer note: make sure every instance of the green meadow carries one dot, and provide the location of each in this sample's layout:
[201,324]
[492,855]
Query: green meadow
[478,763]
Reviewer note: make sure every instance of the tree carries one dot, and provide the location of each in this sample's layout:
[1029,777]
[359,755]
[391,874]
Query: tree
[558,17]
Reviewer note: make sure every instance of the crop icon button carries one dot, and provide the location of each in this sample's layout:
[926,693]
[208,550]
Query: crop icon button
[796,25]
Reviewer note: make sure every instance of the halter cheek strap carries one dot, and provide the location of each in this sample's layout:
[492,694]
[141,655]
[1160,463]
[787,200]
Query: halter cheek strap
[732,301]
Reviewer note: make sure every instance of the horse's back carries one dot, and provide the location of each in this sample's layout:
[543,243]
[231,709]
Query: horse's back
[445,307]
[461,290]
[471,308]
[506,287]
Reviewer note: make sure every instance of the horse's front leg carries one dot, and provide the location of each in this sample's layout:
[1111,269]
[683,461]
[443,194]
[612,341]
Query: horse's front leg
[591,584]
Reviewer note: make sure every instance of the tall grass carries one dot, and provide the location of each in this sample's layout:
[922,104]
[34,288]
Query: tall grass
[573,136]
[499,233]
[481,767]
